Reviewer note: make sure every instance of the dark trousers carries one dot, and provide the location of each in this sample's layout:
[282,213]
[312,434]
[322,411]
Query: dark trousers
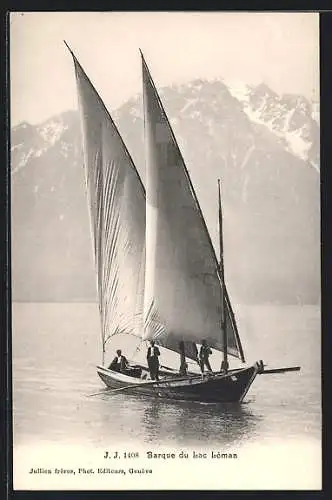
[206,362]
[154,368]
[183,369]
[183,365]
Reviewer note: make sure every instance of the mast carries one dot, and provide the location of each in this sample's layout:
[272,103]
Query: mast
[224,364]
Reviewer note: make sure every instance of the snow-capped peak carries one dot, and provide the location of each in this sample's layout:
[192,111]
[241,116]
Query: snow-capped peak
[30,141]
[238,89]
[52,130]
[287,116]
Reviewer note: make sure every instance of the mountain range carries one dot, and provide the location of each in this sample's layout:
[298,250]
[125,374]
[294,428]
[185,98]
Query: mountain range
[263,146]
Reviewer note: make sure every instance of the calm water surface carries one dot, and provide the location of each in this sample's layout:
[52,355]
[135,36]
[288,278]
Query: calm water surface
[56,348]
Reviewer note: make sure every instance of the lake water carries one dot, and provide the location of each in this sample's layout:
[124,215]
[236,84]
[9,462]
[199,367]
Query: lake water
[276,432]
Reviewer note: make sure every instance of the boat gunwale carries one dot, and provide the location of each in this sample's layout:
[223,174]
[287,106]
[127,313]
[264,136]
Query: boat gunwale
[173,382]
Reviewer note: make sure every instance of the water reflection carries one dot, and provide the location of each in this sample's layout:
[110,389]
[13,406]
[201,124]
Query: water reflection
[181,423]
[195,423]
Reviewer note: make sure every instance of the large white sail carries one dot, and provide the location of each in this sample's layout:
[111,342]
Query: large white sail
[183,292]
[117,215]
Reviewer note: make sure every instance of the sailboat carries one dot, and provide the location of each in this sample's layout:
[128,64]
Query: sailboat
[158,277]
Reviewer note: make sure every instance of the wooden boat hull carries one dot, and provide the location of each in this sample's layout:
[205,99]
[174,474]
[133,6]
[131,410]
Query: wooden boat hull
[214,388]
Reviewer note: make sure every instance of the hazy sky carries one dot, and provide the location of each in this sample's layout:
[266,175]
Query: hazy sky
[280,49]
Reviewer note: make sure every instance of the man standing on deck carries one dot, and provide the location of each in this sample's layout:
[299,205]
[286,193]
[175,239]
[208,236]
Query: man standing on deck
[204,354]
[153,361]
